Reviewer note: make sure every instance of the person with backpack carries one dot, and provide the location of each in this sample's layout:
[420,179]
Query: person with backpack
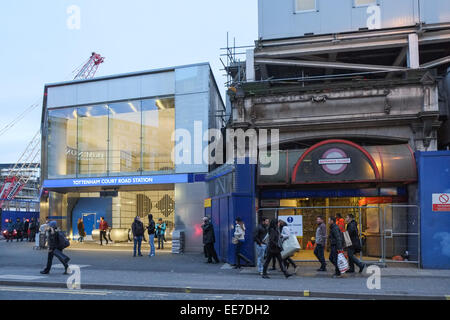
[336,239]
[151,235]
[160,231]
[57,242]
[138,233]
[352,229]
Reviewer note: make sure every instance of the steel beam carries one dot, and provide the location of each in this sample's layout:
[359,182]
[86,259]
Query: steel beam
[435,63]
[334,65]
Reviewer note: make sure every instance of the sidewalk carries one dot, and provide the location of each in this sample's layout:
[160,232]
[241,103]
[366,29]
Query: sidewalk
[118,270]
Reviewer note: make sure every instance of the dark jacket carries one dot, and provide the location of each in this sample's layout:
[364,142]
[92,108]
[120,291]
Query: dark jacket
[137,228]
[53,242]
[208,233]
[352,229]
[274,245]
[18,226]
[336,236]
[80,227]
[260,233]
[26,224]
[10,227]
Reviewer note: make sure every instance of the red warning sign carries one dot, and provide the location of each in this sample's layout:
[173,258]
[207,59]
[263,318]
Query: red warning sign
[441,202]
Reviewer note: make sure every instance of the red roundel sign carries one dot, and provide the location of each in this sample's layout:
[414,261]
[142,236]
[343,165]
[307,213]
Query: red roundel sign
[334,161]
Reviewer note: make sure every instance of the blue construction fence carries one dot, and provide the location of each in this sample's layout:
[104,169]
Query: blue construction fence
[13,215]
[434,198]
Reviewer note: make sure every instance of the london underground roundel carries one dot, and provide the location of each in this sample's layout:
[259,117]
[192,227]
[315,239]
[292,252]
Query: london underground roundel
[334,161]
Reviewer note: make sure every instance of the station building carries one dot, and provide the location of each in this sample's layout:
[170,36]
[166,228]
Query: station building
[108,150]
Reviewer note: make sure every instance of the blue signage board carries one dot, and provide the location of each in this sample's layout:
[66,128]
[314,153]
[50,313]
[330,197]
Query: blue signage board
[117,181]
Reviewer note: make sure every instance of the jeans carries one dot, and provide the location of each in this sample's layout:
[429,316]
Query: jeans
[352,260]
[137,242]
[160,241]
[260,251]
[103,235]
[319,253]
[333,259]
[151,241]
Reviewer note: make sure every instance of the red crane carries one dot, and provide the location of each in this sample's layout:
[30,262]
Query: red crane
[22,171]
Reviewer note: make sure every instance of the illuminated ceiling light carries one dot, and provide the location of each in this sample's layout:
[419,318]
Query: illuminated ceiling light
[132,107]
[75,114]
[160,105]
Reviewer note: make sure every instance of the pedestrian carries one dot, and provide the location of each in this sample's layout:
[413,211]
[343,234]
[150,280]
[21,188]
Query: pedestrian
[160,231]
[209,239]
[335,244]
[352,229]
[261,238]
[81,232]
[285,234]
[19,229]
[151,235]
[274,248]
[55,248]
[33,230]
[138,233]
[25,229]
[103,228]
[10,231]
[321,239]
[239,239]
[340,222]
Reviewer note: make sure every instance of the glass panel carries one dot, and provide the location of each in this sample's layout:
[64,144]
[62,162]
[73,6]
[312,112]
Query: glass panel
[124,137]
[158,125]
[364,2]
[62,143]
[305,5]
[92,140]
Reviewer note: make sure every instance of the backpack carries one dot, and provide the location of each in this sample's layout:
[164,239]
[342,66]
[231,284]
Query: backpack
[63,242]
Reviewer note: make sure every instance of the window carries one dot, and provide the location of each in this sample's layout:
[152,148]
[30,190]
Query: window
[305,5]
[360,3]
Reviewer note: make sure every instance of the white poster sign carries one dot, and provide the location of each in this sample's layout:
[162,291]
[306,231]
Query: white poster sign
[441,202]
[295,223]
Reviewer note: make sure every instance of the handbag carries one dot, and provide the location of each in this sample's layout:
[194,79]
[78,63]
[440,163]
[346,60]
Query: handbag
[234,240]
[347,240]
[290,247]
[342,263]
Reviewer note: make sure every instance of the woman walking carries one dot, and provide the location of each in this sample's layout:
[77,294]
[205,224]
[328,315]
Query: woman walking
[274,249]
[285,234]
[81,233]
[238,240]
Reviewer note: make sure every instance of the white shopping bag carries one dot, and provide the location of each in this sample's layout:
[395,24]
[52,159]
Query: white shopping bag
[342,263]
[290,247]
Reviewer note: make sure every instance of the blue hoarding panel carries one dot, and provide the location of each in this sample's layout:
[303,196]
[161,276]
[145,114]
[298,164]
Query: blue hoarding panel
[434,186]
[13,215]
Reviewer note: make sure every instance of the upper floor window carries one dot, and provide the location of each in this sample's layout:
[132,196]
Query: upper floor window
[305,5]
[360,3]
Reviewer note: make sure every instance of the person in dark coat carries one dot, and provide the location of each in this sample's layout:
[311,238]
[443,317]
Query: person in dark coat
[19,229]
[274,249]
[138,233]
[335,238]
[33,229]
[352,229]
[209,239]
[10,228]
[81,232]
[26,225]
[151,229]
[55,249]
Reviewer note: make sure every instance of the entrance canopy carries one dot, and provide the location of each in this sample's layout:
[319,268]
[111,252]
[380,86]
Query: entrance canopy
[342,161]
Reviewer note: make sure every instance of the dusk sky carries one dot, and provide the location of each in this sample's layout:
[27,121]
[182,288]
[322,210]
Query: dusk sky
[38,47]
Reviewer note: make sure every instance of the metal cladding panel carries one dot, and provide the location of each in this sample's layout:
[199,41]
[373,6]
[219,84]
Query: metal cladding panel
[121,88]
[278,19]
[434,178]
[434,11]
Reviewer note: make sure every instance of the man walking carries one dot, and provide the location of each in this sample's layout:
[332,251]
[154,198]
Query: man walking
[103,228]
[26,225]
[261,237]
[138,233]
[352,229]
[209,239]
[151,235]
[335,244]
[321,239]
[55,248]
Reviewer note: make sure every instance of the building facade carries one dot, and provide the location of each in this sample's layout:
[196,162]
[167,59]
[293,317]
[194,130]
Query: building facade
[109,148]
[353,104]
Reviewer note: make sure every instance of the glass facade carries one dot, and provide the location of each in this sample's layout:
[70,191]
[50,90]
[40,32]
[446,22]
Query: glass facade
[112,139]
